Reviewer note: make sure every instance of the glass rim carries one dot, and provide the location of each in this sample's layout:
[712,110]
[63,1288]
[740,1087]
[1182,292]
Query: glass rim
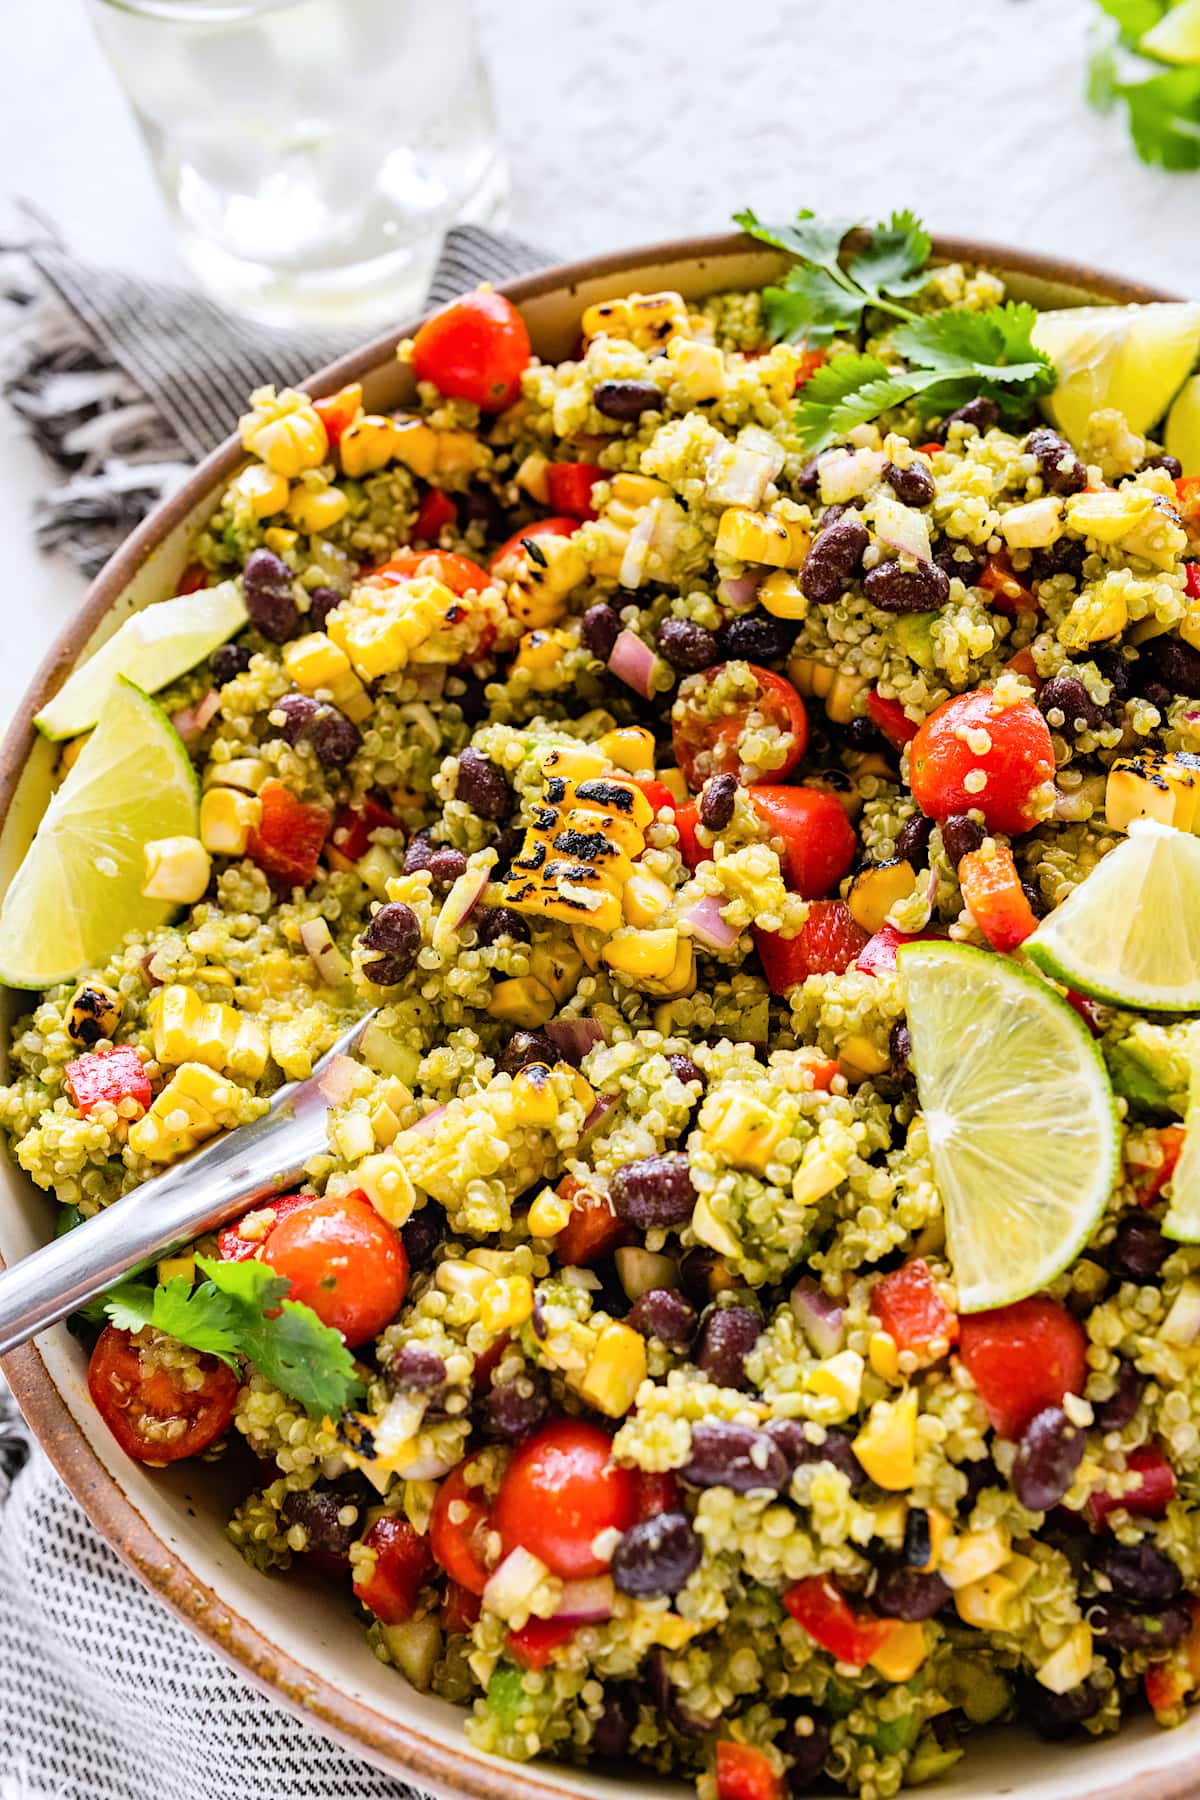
[215,12]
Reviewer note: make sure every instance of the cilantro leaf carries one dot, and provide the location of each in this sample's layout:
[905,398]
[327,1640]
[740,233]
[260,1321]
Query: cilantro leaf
[996,343]
[1134,18]
[812,239]
[893,259]
[810,305]
[820,299]
[1164,117]
[846,391]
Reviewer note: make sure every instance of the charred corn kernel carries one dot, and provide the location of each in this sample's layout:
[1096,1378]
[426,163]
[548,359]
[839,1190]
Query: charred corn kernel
[624,839]
[315,661]
[648,319]
[521,1001]
[670,1630]
[903,1653]
[1154,784]
[819,1173]
[550,568]
[970,1555]
[987,1603]
[534,1101]
[577,762]
[226,820]
[380,628]
[883,1356]
[810,677]
[887,1444]
[289,444]
[245,772]
[838,1378]
[176,1268]
[699,368]
[280,539]
[742,1130]
[457,453]
[644,898]
[187,1029]
[859,1058]
[548,1214]
[94,1012]
[782,595]
[680,979]
[558,967]
[1071,1663]
[1034,526]
[177,868]
[629,494]
[631,747]
[537,608]
[756,537]
[368,445]
[875,891]
[1109,514]
[260,489]
[387,1184]
[531,477]
[540,652]
[195,1104]
[615,1371]
[506,1303]
[642,954]
[69,755]
[843,692]
[317,509]
[676,786]
[412,442]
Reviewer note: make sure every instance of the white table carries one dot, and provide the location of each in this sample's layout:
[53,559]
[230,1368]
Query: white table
[645,118]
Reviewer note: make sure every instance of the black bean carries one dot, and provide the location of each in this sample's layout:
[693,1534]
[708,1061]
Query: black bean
[802,1452]
[514,1409]
[1050,1451]
[756,638]
[912,840]
[1062,471]
[687,646]
[292,716]
[615,1726]
[321,603]
[626,400]
[483,786]
[412,1366]
[918,1538]
[1033,894]
[960,835]
[1067,695]
[481,506]
[905,1593]
[666,1314]
[702,1274]
[654,1191]
[1115,1623]
[728,1336]
[267,591]
[1058,1715]
[717,798]
[446,865]
[656,1556]
[1139,1248]
[422,1235]
[332,737]
[684,1069]
[900,1045]
[317,1509]
[896,589]
[913,486]
[1139,1572]
[1064,558]
[1116,1412]
[1175,664]
[734,1456]
[980,1474]
[418,852]
[227,661]
[394,929]
[1117,671]
[473,701]
[1171,464]
[500,922]
[862,734]
[809,478]
[955,557]
[804,1746]
[834,559]
[600,627]
[981,412]
[525,1047]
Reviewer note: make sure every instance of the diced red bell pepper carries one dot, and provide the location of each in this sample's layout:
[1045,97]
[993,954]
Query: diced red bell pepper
[1191,580]
[687,817]
[536,1642]
[818,841]
[912,1312]
[352,827]
[1149,1180]
[930,449]
[569,485]
[194,577]
[1009,596]
[1150,1495]
[337,412]
[436,509]
[890,718]
[402,1561]
[1086,1009]
[660,795]
[827,944]
[810,362]
[992,890]
[823,1069]
[655,1493]
[744,1773]
[106,1077]
[233,1247]
[879,956]
[1023,664]
[1023,1358]
[460,1608]
[288,839]
[592,1231]
[820,1607]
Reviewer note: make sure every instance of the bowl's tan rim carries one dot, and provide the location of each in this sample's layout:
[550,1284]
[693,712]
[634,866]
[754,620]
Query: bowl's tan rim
[455,1771]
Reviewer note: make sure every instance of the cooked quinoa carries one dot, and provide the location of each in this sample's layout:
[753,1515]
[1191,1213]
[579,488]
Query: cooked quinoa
[645,1125]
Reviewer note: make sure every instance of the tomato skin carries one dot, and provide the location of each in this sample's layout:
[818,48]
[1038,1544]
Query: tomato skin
[1151,1496]
[570,485]
[194,577]
[537,1640]
[128,1398]
[350,834]
[459,1609]
[338,411]
[997,902]
[705,747]
[345,1261]
[474,349]
[1191,577]
[1023,664]
[687,817]
[890,718]
[656,1494]
[106,1077]
[1009,595]
[558,1492]
[818,1604]
[744,1773]
[659,795]
[1019,760]
[436,510]
[1149,1182]
[1023,1358]
[458,573]
[289,837]
[402,1562]
[810,362]
[459,1545]
[828,944]
[506,561]
[233,1247]
[912,1312]
[593,1230]
[819,844]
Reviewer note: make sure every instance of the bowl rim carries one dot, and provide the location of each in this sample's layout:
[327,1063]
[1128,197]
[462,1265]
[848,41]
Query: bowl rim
[388,1740]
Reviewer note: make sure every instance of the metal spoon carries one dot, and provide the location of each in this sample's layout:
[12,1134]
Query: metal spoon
[209,1188]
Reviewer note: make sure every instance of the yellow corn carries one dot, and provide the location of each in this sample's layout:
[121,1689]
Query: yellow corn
[631,747]
[261,490]
[368,445]
[176,1268]
[782,595]
[753,537]
[548,1214]
[887,1444]
[859,1058]
[643,953]
[971,1555]
[550,568]
[647,319]
[819,1173]
[1071,1663]
[875,891]
[903,1653]
[630,493]
[540,654]
[280,539]
[1109,514]
[385,1181]
[676,786]
[195,1104]
[177,868]
[883,1356]
[317,509]
[352,1135]
[506,1303]
[226,820]
[742,1130]
[578,762]
[380,628]
[245,772]
[315,661]
[286,434]
[838,1378]
[94,1012]
[987,1603]
[810,677]
[534,1101]
[680,979]
[843,692]
[186,1029]
[1154,784]
[939,1532]
[531,477]
[644,898]
[557,966]
[699,368]
[521,1001]
[615,1371]
[457,453]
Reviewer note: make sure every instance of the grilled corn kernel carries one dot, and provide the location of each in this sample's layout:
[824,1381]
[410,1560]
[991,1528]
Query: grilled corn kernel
[521,1001]
[187,1029]
[457,453]
[194,1105]
[540,653]
[290,443]
[648,319]
[557,966]
[317,509]
[810,677]
[883,1356]
[875,891]
[782,595]
[742,1130]
[280,539]
[859,1058]
[226,820]
[531,477]
[887,1444]
[534,1101]
[680,979]
[838,1378]
[94,1012]
[177,868]
[631,747]
[629,494]
[387,1184]
[753,537]
[506,1303]
[1154,784]
[987,1603]
[548,1214]
[903,1653]
[380,628]
[176,1268]
[643,953]
[819,1173]
[1071,1663]
[699,368]
[970,1555]
[615,1371]
[245,772]
[260,489]
[644,898]
[577,762]
[843,692]
[368,445]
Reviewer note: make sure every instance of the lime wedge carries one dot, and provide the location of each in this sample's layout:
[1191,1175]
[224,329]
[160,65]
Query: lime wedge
[151,648]
[1176,37]
[1182,437]
[1020,1115]
[1133,358]
[1182,1218]
[78,890]
[1130,932]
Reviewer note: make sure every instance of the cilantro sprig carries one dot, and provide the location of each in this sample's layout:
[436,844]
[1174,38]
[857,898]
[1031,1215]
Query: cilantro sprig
[1162,99]
[242,1309]
[952,355]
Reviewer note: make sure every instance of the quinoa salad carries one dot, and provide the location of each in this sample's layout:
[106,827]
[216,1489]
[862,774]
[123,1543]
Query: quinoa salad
[747,1318]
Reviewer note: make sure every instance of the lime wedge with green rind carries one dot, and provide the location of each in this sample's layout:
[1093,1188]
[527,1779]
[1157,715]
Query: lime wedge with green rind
[79,889]
[1132,358]
[1182,434]
[1020,1116]
[151,648]
[1129,934]
[1176,37]
[1182,1218]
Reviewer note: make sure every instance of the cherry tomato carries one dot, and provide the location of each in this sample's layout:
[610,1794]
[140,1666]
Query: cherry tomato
[819,844]
[151,1413]
[1009,595]
[352,828]
[819,1605]
[559,1491]
[1023,664]
[436,510]
[460,1608]
[289,837]
[233,1247]
[474,349]
[810,362]
[1191,578]
[592,1231]
[1023,1358]
[344,1261]
[710,746]
[828,943]
[337,411]
[687,817]
[194,577]
[972,735]
[912,1312]
[458,1530]
[890,718]
[402,1562]
[1149,1179]
[506,561]
[537,1640]
[458,573]
[744,1773]
[656,1494]
[570,485]
[995,898]
[659,795]
[1150,1495]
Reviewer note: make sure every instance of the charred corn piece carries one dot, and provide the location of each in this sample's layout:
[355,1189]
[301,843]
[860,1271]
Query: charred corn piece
[186,1029]
[756,537]
[811,678]
[615,1371]
[971,1555]
[194,1105]
[94,1012]
[531,477]
[533,1097]
[987,1603]
[643,955]
[782,595]
[842,695]
[261,490]
[644,898]
[887,1444]
[903,1653]
[177,868]
[317,509]
[550,568]
[1154,784]
[647,319]
[506,1303]
[699,369]
[540,653]
[631,747]
[521,1001]
[385,1181]
[874,892]
[742,1130]
[557,966]
[370,444]
[576,762]
[284,432]
[379,629]
[226,820]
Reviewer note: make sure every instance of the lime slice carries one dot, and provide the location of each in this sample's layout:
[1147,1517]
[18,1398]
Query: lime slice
[78,890]
[1020,1115]
[1182,437]
[1133,358]
[1176,37]
[151,648]
[1182,1218]
[1130,932]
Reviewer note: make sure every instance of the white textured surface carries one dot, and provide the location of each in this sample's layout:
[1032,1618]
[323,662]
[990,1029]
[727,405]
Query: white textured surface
[640,119]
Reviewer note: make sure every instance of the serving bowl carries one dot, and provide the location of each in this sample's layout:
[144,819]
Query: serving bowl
[308,1649]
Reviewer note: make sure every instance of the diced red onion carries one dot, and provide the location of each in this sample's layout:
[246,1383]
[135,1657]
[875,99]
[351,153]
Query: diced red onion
[573,1038]
[190,721]
[879,953]
[1087,1011]
[604,1105]
[586,1602]
[144,964]
[633,662]
[739,590]
[463,898]
[339,1080]
[820,1318]
[429,1122]
[708,927]
[327,959]
[902,528]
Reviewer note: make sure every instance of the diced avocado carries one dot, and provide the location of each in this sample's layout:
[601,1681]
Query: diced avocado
[506,1696]
[929,1760]
[913,633]
[982,1693]
[896,1735]
[1148,1066]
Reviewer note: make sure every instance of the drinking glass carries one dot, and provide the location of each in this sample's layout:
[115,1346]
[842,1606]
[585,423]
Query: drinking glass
[312,152]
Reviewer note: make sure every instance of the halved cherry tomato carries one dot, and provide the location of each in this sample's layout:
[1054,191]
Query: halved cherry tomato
[570,485]
[1150,1494]
[889,717]
[593,1230]
[458,573]
[459,1609]
[150,1411]
[710,746]
[537,1640]
[402,1562]
[744,1773]
[194,577]
[352,827]
[345,1261]
[1009,595]
[436,509]
[506,561]
[289,837]
[656,1494]
[822,1068]
[818,839]
[338,411]
[687,817]
[995,898]
[458,1530]
[1023,664]
[560,1490]
[659,795]
[879,957]
[912,1312]
[106,1077]
[829,942]
[1023,1358]
[972,735]
[819,1605]
[1149,1180]
[233,1247]
[474,349]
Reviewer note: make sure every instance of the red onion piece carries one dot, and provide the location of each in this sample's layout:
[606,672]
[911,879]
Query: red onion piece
[463,898]
[429,1122]
[902,528]
[633,662]
[190,721]
[819,1317]
[879,953]
[144,965]
[708,927]
[339,1080]
[573,1038]
[586,1602]
[739,590]
[604,1105]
